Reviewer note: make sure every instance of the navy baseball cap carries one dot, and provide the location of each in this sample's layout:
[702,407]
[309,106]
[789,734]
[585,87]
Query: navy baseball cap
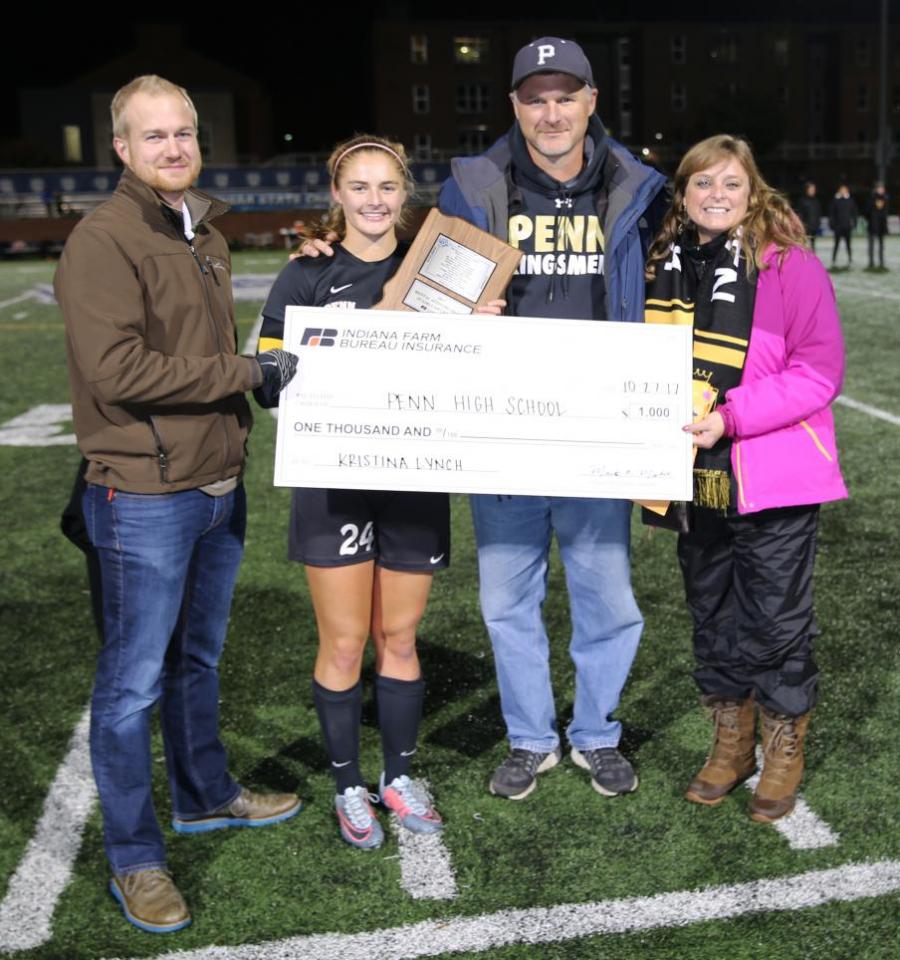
[551,55]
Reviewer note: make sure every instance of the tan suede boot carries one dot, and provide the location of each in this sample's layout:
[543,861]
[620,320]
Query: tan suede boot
[733,757]
[776,792]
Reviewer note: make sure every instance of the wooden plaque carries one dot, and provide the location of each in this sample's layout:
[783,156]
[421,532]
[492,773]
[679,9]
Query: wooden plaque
[451,267]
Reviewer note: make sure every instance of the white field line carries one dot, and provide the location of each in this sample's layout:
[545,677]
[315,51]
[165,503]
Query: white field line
[21,297]
[46,867]
[426,871]
[40,426]
[853,881]
[253,337]
[802,829]
[863,292]
[871,411]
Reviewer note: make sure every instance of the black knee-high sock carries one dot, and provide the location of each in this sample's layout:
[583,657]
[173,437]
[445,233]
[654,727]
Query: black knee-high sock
[339,713]
[399,713]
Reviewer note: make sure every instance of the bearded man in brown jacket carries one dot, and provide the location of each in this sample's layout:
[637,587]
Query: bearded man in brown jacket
[158,404]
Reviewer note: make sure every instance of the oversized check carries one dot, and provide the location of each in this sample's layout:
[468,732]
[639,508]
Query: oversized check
[385,400]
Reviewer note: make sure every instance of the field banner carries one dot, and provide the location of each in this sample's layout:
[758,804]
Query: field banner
[385,400]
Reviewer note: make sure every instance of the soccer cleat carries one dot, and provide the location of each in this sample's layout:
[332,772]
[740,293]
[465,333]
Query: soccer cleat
[611,773]
[150,900]
[733,758]
[776,792]
[359,825]
[248,809]
[516,777]
[410,802]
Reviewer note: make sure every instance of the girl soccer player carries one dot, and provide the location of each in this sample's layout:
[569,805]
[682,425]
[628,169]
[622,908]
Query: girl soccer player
[370,555]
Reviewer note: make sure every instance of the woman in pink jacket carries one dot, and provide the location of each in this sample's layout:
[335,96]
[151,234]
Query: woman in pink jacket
[732,259]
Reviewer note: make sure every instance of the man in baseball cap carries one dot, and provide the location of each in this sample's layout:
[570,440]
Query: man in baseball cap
[583,212]
[552,55]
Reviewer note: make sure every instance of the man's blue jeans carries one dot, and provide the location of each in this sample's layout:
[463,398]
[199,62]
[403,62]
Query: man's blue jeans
[168,565]
[513,536]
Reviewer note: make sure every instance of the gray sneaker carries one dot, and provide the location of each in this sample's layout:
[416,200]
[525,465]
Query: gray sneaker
[611,773]
[516,777]
[359,825]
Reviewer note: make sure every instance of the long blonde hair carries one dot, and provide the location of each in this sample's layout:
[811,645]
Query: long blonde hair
[769,220]
[343,153]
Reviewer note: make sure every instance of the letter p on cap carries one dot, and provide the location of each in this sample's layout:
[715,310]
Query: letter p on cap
[545,50]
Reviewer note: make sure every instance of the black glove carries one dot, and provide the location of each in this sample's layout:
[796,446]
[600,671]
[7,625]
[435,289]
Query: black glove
[278,368]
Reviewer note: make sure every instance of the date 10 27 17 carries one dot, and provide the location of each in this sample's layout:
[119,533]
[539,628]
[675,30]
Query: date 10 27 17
[654,387]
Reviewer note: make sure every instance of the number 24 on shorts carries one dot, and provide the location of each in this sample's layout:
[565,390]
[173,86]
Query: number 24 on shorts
[353,539]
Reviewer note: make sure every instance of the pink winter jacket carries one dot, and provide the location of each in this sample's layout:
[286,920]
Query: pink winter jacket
[784,452]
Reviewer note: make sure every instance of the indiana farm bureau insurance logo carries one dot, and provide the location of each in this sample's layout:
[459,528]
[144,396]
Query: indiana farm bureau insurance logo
[315,337]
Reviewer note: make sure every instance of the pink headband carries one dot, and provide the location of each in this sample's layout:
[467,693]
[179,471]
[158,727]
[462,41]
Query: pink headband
[376,146]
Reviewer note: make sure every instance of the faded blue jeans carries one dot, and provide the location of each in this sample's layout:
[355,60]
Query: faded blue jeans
[168,565]
[513,536]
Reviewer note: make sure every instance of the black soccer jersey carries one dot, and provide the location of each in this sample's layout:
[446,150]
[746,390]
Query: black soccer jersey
[342,281]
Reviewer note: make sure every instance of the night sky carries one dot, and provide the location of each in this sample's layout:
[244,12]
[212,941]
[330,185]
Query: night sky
[317,67]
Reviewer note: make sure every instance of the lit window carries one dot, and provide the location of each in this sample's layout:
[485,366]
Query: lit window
[471,50]
[418,48]
[72,144]
[725,48]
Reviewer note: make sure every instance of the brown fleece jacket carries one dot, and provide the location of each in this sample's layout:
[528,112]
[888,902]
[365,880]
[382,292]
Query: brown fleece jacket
[157,387]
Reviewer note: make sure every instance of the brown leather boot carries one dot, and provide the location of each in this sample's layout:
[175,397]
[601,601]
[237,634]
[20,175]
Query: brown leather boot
[776,792]
[150,900]
[733,757]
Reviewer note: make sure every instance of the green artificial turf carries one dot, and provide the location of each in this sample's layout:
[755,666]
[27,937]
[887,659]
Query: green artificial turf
[564,844]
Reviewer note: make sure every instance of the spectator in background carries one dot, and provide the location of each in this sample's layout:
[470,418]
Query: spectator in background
[877,221]
[842,216]
[809,207]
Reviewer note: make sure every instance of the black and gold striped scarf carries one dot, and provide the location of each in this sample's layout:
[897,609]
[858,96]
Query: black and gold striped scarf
[707,285]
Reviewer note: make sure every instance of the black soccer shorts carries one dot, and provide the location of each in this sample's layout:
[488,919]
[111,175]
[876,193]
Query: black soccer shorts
[398,530]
